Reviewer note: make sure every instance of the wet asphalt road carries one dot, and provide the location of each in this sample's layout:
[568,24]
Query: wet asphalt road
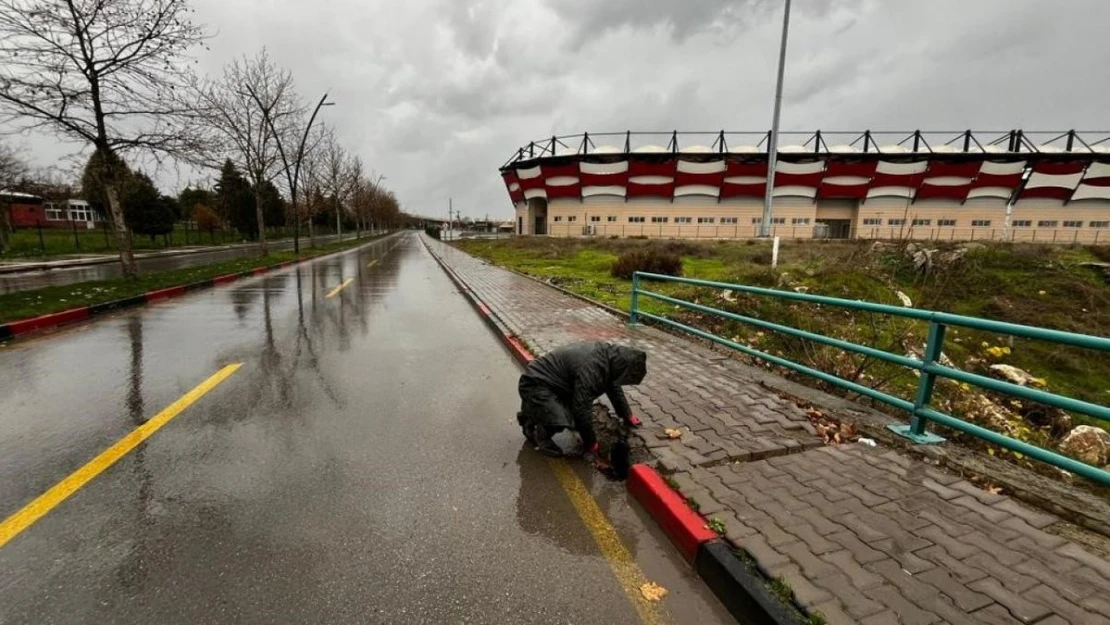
[363,466]
[37,279]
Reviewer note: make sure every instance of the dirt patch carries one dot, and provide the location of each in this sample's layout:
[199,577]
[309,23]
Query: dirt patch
[609,429]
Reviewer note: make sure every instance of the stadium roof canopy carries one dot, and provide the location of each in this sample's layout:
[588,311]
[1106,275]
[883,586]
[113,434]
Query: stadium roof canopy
[1055,145]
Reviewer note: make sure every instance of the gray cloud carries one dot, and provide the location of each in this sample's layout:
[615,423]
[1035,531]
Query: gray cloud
[436,94]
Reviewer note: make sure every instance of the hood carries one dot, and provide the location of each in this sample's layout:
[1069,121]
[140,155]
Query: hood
[627,365]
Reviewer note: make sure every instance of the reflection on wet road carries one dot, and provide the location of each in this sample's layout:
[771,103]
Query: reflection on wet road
[23,281]
[362,466]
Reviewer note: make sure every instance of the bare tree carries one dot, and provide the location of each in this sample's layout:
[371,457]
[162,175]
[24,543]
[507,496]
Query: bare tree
[12,170]
[357,193]
[253,107]
[335,163]
[106,73]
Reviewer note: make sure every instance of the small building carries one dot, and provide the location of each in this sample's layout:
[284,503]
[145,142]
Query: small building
[26,210]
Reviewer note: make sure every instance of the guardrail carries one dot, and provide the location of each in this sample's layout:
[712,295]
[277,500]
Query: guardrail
[921,413]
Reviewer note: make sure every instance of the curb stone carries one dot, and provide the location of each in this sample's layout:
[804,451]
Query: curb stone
[737,585]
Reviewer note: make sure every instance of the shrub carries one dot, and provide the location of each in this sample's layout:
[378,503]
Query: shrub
[646,259]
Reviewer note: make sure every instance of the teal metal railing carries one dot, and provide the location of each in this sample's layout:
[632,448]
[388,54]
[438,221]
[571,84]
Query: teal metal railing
[920,410]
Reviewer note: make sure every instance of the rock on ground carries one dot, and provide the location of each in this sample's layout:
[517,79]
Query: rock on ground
[1088,444]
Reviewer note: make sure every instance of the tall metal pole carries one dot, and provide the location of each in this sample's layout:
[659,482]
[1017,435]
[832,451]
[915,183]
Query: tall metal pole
[773,144]
[293,176]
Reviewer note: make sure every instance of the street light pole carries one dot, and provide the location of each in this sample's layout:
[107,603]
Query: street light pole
[293,177]
[773,143]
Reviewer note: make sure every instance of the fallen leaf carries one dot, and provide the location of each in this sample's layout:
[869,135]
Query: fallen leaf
[673,433]
[652,591]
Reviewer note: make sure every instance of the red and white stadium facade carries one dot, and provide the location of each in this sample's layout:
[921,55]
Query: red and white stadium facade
[1012,185]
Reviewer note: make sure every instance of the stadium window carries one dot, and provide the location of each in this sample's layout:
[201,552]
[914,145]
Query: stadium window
[611,218]
[946,222]
[658,220]
[757,220]
[595,218]
[1022,223]
[922,222]
[572,218]
[1099,224]
[980,223]
[800,221]
[872,221]
[558,217]
[1073,224]
[635,220]
[728,220]
[705,220]
[1047,223]
[778,220]
[895,222]
[682,220]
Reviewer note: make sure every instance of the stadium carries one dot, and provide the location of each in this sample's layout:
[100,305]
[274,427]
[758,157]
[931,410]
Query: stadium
[960,185]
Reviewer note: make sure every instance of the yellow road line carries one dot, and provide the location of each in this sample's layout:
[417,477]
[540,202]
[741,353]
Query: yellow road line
[47,501]
[339,288]
[372,263]
[620,560]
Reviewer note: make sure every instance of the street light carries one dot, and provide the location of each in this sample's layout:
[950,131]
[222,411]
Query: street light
[773,143]
[295,176]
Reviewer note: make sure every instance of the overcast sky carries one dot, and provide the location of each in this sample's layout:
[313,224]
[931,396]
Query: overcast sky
[436,94]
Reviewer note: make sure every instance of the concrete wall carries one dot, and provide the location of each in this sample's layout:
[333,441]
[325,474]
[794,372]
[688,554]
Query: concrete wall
[614,216]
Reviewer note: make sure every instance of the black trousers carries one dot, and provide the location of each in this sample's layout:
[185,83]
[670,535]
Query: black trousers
[541,405]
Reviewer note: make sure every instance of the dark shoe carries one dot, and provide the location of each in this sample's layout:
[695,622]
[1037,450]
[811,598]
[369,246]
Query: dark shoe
[550,449]
[542,439]
[529,435]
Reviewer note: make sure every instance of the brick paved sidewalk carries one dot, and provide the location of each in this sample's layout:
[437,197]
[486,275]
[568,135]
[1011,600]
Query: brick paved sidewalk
[863,535]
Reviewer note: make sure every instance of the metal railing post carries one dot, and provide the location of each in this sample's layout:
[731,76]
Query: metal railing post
[915,431]
[634,308]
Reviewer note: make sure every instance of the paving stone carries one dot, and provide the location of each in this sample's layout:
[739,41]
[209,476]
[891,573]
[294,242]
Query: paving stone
[860,577]
[994,614]
[834,613]
[979,494]
[1067,609]
[1099,604]
[953,546]
[942,559]
[856,603]
[804,591]
[1043,539]
[1006,574]
[816,543]
[882,618]
[813,566]
[994,515]
[1003,554]
[1037,519]
[861,552]
[1070,587]
[956,590]
[1086,558]
[767,556]
[905,611]
[1021,608]
[818,521]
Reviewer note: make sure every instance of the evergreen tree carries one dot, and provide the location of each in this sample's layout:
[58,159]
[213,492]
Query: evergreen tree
[189,199]
[273,206]
[146,210]
[236,200]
